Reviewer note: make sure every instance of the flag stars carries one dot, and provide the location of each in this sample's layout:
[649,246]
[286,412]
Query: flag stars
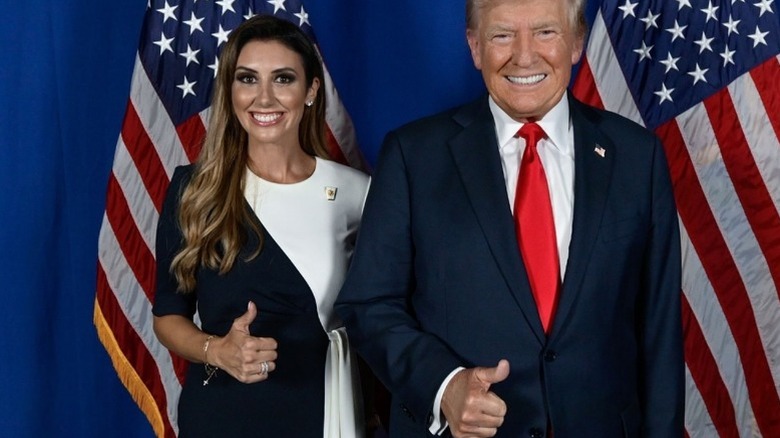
[704,43]
[758,37]
[249,13]
[677,31]
[710,11]
[221,35]
[650,20]
[731,25]
[728,56]
[698,74]
[187,87]
[164,43]
[670,63]
[190,55]
[194,23]
[277,4]
[644,52]
[764,6]
[303,16]
[665,94]
[683,3]
[215,66]
[628,9]
[167,12]
[226,5]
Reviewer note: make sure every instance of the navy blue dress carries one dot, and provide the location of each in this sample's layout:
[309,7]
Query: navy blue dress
[290,402]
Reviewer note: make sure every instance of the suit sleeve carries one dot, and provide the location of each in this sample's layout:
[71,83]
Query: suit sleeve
[376,302]
[662,384]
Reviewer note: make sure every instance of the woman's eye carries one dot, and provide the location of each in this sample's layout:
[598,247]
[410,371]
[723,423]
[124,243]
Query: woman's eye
[246,79]
[285,79]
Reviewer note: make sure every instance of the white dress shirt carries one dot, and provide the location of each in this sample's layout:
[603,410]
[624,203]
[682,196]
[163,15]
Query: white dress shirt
[557,154]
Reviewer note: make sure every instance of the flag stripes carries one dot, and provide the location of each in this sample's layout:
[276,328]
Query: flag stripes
[765,77]
[147,163]
[129,238]
[705,197]
[136,367]
[141,205]
[748,183]
[191,133]
[156,122]
[703,370]
[584,86]
[724,158]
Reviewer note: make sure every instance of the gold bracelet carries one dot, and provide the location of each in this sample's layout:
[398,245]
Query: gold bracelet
[210,369]
[206,349]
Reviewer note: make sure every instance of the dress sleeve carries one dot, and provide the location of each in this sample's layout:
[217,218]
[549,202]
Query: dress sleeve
[167,301]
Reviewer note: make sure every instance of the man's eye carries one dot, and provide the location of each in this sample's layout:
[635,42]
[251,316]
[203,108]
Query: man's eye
[502,38]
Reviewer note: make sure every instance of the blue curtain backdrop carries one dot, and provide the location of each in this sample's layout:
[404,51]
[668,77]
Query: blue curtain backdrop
[65,72]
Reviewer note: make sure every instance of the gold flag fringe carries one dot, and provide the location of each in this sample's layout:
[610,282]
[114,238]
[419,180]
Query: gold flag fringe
[127,374]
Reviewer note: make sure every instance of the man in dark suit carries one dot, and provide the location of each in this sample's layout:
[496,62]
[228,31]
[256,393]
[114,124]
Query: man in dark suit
[446,298]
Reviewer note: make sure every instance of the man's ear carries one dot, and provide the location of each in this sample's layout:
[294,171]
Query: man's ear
[472,37]
[577,48]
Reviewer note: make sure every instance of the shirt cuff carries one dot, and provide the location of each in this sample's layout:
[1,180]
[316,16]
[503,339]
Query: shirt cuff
[437,426]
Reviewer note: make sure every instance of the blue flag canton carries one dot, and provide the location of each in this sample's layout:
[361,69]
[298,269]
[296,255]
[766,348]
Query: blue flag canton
[181,41]
[676,53]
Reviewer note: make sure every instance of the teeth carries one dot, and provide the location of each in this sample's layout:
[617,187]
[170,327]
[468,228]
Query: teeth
[266,118]
[527,80]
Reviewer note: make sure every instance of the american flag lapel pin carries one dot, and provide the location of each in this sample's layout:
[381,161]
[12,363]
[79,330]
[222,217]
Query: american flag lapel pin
[330,193]
[600,151]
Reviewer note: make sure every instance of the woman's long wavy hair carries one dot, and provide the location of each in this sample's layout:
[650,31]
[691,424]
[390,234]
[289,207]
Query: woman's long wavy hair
[212,214]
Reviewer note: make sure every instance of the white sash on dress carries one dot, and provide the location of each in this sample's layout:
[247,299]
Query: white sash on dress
[343,397]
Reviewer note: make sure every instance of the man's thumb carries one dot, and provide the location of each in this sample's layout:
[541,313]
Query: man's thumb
[495,374]
[243,321]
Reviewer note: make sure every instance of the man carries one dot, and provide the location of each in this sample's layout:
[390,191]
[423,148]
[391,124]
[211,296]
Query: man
[446,299]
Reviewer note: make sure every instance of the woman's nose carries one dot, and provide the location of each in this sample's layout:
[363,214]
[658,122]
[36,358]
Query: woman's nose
[265,93]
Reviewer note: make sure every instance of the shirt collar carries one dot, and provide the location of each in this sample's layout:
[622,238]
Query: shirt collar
[556,124]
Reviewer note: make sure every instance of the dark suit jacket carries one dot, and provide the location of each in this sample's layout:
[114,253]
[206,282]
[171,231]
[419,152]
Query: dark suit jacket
[437,281]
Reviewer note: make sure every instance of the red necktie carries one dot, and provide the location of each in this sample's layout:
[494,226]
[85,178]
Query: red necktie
[535,226]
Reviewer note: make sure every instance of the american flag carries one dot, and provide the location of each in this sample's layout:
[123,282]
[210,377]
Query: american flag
[164,126]
[705,76]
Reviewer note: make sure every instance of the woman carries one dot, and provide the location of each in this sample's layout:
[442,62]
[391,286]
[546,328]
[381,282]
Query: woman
[256,237]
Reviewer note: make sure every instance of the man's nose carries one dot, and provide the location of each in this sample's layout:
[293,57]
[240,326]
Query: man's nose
[523,52]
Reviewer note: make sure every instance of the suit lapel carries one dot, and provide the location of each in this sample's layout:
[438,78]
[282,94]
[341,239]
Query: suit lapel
[476,156]
[593,160]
